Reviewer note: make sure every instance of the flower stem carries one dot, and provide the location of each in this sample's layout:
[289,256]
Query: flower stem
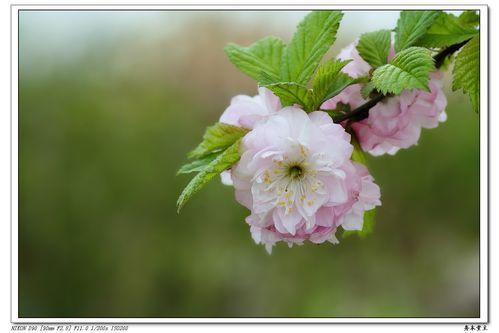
[362,111]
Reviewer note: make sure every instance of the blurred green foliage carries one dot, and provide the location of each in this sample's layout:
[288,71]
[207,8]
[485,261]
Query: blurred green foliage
[101,139]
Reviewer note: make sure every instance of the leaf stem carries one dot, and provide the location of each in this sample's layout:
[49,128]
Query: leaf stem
[362,112]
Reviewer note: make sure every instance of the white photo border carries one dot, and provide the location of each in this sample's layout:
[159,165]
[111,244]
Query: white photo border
[484,165]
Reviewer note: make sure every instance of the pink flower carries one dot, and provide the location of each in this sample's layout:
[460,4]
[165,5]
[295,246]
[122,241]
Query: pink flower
[427,108]
[363,195]
[388,128]
[357,67]
[349,96]
[245,111]
[296,177]
[396,122]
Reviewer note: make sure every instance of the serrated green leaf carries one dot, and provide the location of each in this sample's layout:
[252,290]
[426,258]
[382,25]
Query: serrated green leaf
[217,138]
[374,47]
[197,165]
[409,69]
[466,71]
[469,18]
[293,93]
[412,25]
[222,162]
[367,227]
[445,31]
[329,81]
[263,56]
[338,84]
[312,39]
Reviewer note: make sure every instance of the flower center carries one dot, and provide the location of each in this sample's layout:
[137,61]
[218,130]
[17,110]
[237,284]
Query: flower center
[295,171]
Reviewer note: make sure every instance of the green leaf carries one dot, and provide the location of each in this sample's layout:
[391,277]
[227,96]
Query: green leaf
[293,93]
[467,71]
[367,89]
[197,165]
[409,69]
[358,154]
[313,38]
[262,56]
[367,227]
[369,219]
[469,19]
[447,62]
[217,138]
[340,109]
[222,162]
[412,25]
[329,81]
[445,31]
[374,47]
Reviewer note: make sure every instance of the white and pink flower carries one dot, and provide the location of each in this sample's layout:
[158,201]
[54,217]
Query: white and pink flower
[296,177]
[246,111]
[396,122]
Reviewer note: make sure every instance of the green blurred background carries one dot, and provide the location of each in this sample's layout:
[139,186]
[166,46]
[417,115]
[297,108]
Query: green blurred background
[110,102]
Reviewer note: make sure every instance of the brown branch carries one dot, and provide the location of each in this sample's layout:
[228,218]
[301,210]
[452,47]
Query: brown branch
[362,111]
[440,56]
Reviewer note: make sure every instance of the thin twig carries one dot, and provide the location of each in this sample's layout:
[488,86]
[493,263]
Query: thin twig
[361,112]
[440,57]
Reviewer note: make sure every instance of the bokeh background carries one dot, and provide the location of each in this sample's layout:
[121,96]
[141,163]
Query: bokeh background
[110,102]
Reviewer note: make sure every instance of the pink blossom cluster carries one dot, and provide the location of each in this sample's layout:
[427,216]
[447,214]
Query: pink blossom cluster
[396,122]
[296,174]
